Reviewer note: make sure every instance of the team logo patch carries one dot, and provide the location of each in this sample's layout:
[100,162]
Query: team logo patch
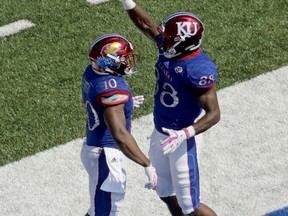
[178,69]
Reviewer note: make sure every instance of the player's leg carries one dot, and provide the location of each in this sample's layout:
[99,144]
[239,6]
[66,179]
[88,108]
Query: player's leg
[160,161]
[203,210]
[102,201]
[172,202]
[110,190]
[185,175]
[173,206]
[90,161]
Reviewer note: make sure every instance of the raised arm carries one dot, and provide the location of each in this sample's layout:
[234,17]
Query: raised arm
[140,18]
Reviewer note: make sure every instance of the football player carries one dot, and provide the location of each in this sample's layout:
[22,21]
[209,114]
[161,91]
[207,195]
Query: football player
[186,79]
[109,105]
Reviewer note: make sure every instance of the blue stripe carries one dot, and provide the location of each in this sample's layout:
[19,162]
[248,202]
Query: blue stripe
[193,172]
[279,212]
[102,199]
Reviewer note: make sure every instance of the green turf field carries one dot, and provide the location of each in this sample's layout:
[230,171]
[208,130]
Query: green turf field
[41,67]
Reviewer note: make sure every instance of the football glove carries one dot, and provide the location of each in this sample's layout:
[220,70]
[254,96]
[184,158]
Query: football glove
[152,177]
[128,4]
[138,100]
[176,137]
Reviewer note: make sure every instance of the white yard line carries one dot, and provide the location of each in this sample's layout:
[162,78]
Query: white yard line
[96,1]
[15,27]
[243,167]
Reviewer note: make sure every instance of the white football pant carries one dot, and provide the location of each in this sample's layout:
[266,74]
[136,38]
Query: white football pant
[178,172]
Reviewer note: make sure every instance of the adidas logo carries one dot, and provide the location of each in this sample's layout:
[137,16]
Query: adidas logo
[166,64]
[114,160]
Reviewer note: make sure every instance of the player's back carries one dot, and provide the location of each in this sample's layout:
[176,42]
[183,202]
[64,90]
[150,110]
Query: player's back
[176,103]
[98,92]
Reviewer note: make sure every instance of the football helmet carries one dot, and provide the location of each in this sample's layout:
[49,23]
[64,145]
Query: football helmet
[113,54]
[182,33]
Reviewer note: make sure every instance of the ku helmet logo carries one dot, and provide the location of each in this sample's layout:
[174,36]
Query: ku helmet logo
[111,48]
[184,28]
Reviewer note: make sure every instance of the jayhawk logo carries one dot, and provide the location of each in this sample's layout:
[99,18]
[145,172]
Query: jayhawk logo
[110,48]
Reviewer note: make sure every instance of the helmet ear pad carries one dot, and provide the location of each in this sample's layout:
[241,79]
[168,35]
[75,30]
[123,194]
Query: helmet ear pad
[95,64]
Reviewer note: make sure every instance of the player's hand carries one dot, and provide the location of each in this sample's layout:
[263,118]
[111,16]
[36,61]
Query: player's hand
[138,100]
[176,137]
[152,177]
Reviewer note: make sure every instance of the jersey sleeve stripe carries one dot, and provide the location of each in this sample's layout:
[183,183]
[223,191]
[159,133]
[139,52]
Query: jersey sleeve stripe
[113,98]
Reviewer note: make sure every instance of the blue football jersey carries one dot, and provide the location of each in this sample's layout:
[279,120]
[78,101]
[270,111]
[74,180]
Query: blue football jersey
[175,101]
[98,92]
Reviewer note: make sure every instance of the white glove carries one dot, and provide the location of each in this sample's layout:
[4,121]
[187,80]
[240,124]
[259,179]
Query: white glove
[176,137]
[128,4]
[138,100]
[152,177]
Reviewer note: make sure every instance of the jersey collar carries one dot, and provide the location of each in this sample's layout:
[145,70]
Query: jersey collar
[193,54]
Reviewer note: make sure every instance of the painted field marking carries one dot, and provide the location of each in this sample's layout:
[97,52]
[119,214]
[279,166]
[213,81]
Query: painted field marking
[96,1]
[279,212]
[15,27]
[248,146]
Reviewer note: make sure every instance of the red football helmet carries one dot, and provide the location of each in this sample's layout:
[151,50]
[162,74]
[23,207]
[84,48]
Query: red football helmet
[182,33]
[113,54]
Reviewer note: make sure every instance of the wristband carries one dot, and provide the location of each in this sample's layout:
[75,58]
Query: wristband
[128,4]
[189,131]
